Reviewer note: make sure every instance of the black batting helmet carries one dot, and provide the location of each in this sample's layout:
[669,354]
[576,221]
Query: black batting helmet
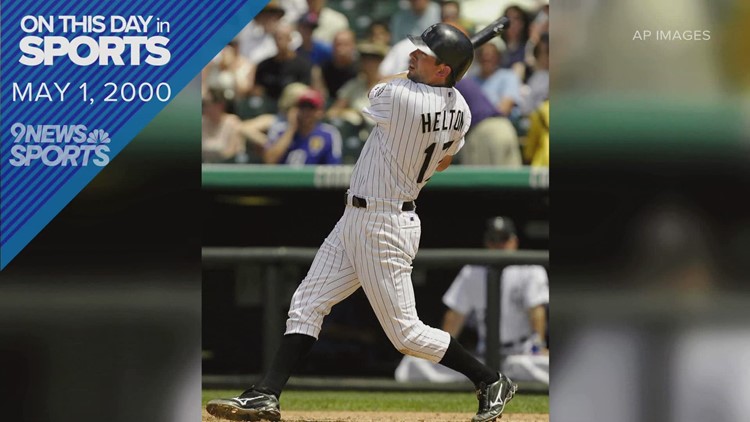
[449,45]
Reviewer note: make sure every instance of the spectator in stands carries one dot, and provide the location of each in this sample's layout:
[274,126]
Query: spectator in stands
[397,59]
[491,139]
[255,41]
[378,33]
[353,96]
[315,51]
[229,72]
[538,83]
[343,65]
[255,130]
[284,68]
[450,12]
[515,37]
[524,291]
[487,60]
[330,22]
[220,138]
[293,10]
[540,24]
[413,21]
[303,139]
[501,86]
[536,149]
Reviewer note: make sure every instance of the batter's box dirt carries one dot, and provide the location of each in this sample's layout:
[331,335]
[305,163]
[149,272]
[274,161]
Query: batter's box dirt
[330,416]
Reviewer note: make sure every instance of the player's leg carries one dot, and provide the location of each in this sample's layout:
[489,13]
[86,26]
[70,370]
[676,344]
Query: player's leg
[383,257]
[330,280]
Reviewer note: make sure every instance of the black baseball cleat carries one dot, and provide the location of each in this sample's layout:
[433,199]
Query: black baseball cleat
[493,398]
[249,406]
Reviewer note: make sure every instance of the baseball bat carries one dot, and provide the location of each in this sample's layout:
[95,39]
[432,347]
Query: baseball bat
[491,31]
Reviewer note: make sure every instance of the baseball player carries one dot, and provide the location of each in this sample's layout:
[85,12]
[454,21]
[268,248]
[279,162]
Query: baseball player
[523,320]
[421,122]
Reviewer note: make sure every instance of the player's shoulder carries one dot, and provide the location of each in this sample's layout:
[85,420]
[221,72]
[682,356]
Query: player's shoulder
[377,91]
[407,93]
[525,268]
[390,86]
[418,92]
[525,271]
[410,85]
[400,84]
[474,272]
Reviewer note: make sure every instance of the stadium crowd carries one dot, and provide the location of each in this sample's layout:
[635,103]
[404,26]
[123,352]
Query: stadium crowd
[290,87]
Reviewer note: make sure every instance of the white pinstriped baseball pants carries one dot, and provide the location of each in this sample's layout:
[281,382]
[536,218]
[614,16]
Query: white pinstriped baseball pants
[371,248]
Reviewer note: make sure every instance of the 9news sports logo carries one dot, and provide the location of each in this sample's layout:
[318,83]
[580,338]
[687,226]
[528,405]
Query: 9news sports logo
[58,145]
[85,40]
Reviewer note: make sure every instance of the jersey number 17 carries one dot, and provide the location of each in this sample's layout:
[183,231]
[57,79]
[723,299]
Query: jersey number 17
[428,156]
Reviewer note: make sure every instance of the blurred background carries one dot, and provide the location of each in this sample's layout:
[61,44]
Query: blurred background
[340,49]
[306,67]
[100,314]
[649,256]
[650,245]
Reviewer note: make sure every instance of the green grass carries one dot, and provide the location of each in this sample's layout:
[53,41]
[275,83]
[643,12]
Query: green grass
[391,401]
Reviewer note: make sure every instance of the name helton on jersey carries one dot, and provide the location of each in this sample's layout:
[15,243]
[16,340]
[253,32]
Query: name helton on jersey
[432,122]
[417,126]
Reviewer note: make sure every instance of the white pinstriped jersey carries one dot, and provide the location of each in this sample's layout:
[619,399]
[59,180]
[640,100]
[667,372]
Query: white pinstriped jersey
[417,126]
[373,247]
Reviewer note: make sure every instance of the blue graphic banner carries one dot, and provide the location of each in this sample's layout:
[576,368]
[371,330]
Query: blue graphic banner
[79,80]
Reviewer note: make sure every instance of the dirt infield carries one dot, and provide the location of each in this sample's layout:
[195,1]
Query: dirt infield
[331,416]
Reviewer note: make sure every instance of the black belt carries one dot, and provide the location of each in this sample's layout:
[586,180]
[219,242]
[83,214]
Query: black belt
[513,343]
[358,202]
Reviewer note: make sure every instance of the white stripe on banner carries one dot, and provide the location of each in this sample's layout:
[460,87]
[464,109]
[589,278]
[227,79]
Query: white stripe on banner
[332,176]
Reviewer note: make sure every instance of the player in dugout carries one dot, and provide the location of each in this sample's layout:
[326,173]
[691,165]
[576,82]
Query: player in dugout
[524,293]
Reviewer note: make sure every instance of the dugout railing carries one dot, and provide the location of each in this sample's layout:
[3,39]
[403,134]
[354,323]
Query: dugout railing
[273,259]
